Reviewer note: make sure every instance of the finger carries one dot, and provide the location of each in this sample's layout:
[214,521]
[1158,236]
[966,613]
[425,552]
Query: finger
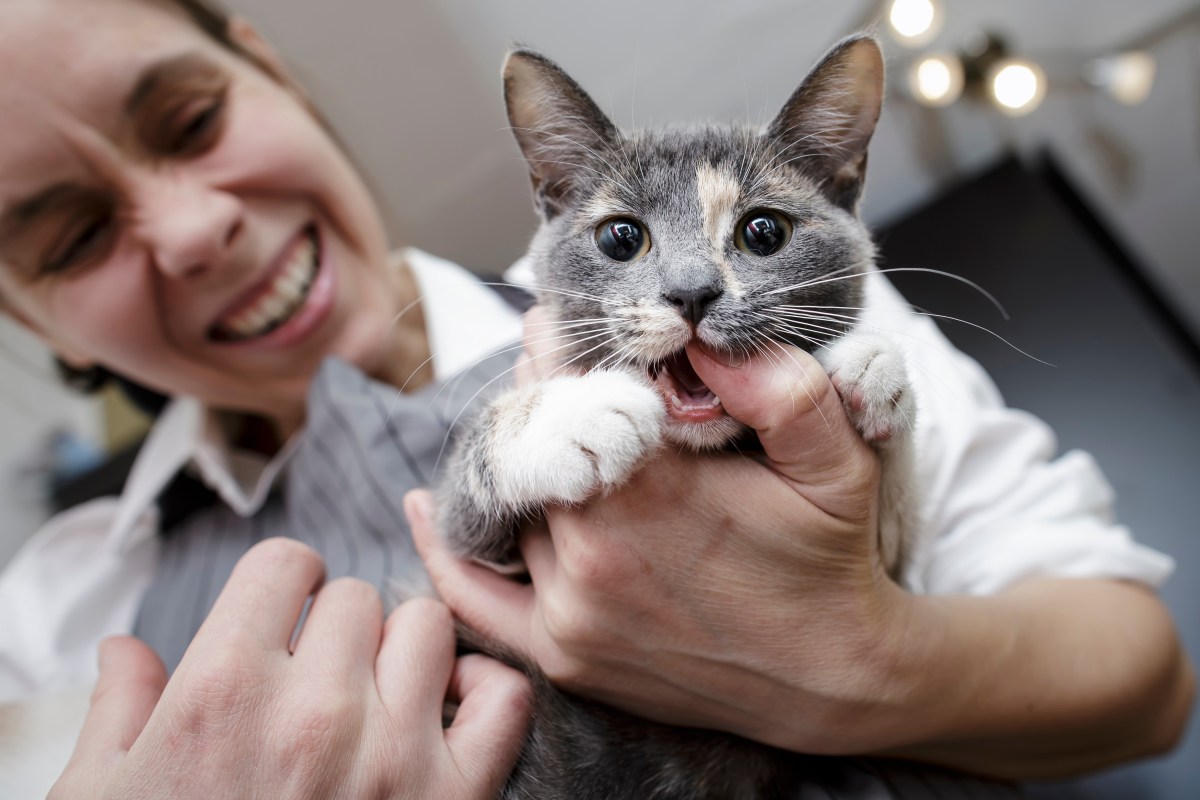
[524,371]
[543,341]
[494,606]
[416,658]
[132,679]
[343,629]
[537,551]
[264,596]
[787,398]
[492,720]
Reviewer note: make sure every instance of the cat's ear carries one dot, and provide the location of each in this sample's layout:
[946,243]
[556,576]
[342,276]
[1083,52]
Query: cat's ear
[560,130]
[827,122]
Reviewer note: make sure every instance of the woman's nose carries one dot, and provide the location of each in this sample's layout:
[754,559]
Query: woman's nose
[191,228]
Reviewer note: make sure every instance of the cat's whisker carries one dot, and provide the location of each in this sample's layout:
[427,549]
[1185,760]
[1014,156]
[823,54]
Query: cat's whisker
[812,327]
[888,270]
[933,377]
[511,348]
[809,394]
[564,366]
[828,277]
[969,324]
[472,398]
[621,299]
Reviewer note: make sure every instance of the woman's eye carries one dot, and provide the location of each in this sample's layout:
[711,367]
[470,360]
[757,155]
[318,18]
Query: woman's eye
[622,239]
[199,129]
[763,233]
[83,242]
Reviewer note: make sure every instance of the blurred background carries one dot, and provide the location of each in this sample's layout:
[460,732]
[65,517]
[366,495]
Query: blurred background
[1049,151]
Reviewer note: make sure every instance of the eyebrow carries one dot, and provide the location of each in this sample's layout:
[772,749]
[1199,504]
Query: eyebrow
[155,78]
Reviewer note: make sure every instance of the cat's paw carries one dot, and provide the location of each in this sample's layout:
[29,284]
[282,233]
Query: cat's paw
[578,436]
[870,375]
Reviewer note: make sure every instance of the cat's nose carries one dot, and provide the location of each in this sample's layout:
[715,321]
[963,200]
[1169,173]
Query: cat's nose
[692,304]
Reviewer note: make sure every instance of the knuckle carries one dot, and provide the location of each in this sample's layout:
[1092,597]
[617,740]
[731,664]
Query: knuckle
[572,628]
[283,554]
[563,669]
[318,727]
[425,613]
[353,592]
[217,695]
[592,565]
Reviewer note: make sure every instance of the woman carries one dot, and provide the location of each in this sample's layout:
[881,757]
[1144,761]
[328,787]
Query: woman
[171,209]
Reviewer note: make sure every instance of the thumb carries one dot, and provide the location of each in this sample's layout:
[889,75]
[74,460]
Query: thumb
[786,397]
[132,678]
[493,606]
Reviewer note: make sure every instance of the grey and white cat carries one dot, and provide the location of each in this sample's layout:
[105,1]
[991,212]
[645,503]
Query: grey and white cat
[649,240]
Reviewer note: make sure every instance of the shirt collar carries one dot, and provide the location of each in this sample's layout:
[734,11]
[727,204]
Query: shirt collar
[187,431]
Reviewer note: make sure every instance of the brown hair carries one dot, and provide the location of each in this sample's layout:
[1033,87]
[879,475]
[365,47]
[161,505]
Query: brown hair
[211,19]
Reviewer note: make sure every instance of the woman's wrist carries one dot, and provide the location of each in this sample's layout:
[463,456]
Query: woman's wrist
[1051,678]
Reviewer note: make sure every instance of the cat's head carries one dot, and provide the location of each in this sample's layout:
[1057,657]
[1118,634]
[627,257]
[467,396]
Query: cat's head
[728,234]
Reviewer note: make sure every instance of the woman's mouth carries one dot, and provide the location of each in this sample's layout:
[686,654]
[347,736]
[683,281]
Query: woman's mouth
[274,302]
[687,398]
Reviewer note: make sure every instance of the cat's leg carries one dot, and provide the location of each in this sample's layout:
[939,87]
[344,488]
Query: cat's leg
[871,377]
[558,441]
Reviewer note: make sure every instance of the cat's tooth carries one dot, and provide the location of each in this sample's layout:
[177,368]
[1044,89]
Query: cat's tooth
[675,401]
[716,401]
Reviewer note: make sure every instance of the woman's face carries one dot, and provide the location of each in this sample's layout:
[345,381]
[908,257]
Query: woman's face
[172,212]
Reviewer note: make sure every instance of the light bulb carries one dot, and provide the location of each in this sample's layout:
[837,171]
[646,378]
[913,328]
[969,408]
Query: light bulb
[1128,77]
[936,80]
[1017,86]
[915,22]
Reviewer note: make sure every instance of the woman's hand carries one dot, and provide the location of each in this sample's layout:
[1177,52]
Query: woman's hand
[747,596]
[351,708]
[717,591]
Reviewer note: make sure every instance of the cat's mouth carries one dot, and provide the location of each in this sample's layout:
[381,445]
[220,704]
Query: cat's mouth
[687,398]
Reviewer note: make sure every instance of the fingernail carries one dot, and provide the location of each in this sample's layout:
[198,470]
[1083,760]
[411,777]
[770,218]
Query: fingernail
[728,359]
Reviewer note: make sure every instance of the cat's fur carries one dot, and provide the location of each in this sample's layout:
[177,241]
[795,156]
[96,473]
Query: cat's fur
[569,438]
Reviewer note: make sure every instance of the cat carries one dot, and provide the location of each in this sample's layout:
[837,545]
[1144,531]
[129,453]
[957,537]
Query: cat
[646,241]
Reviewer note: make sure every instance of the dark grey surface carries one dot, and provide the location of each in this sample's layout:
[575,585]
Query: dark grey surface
[1125,385]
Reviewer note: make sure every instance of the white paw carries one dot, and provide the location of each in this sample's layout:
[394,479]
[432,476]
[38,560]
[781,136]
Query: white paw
[869,374]
[575,437]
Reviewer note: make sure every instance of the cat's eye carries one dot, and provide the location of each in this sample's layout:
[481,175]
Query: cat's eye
[622,239]
[762,232]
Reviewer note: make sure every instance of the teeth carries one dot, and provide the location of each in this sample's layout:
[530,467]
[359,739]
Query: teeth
[277,304]
[678,404]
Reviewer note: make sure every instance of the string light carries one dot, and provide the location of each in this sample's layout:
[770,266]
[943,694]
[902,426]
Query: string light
[1127,77]
[915,22]
[1017,86]
[936,80]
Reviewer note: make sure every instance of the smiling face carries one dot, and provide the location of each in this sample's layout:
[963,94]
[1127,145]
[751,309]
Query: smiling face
[173,212]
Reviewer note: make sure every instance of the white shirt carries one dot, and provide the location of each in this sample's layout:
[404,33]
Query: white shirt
[1000,507]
